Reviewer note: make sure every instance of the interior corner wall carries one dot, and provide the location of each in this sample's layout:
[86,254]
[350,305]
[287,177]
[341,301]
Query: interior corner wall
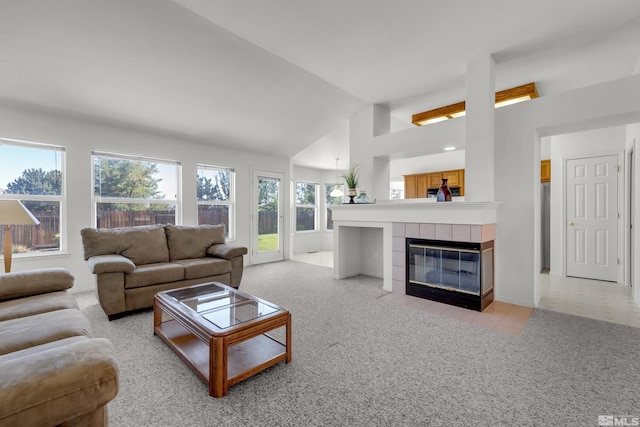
[518,128]
[81,136]
[320,239]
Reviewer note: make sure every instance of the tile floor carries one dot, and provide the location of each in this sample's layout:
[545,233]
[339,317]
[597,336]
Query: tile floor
[586,298]
[594,299]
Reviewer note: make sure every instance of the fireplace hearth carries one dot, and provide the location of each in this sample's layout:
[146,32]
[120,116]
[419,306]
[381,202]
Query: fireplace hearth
[456,273]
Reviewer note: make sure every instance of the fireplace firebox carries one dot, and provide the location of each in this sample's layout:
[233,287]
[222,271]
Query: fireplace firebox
[456,273]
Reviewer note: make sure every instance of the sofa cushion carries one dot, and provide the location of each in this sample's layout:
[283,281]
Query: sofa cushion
[153,274]
[25,332]
[36,304]
[42,347]
[186,242]
[203,267]
[142,245]
[65,385]
[33,282]
[99,242]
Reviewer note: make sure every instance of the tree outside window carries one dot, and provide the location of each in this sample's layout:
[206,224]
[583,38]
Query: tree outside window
[131,191]
[216,202]
[33,173]
[306,206]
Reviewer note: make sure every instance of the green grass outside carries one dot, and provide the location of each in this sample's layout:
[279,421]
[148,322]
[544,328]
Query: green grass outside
[267,242]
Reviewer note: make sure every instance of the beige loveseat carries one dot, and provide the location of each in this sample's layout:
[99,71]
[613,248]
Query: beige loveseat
[51,371]
[132,264]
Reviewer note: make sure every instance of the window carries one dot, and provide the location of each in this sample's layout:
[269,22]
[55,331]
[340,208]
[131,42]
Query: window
[216,197]
[306,196]
[332,201]
[130,191]
[34,174]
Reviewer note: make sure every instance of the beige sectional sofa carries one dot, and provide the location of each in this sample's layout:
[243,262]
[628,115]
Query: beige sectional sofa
[51,371]
[132,264]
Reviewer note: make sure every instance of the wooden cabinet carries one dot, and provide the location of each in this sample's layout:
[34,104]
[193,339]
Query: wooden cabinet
[434,180]
[416,185]
[410,186]
[454,178]
[545,171]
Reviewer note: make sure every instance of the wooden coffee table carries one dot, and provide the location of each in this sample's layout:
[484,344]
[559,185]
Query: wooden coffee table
[221,333]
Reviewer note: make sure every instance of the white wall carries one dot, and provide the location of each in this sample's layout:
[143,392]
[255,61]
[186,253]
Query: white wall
[633,143]
[320,239]
[573,145]
[80,137]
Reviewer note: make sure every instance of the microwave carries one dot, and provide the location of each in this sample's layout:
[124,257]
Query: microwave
[433,192]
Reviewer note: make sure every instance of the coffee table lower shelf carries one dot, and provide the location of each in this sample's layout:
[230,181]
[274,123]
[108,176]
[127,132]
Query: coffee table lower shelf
[244,359]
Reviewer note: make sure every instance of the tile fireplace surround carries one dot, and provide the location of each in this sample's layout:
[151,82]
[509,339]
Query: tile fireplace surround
[370,238]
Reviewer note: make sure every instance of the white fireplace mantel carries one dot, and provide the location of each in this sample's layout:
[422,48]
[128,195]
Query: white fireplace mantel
[369,238]
[419,211]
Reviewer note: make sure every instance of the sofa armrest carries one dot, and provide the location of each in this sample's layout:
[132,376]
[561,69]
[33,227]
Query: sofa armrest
[34,282]
[226,251]
[59,384]
[110,264]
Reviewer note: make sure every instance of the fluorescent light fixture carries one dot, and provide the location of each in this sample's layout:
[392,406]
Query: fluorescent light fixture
[512,101]
[502,98]
[449,148]
[435,120]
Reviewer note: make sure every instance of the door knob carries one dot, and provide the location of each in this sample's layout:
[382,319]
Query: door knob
[570,222]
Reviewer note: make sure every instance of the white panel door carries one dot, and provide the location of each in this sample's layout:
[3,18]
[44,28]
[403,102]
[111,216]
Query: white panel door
[592,218]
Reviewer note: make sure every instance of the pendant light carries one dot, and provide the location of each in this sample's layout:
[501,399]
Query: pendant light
[336,192]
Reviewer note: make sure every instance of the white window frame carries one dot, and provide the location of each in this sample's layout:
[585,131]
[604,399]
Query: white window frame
[61,199]
[315,206]
[231,203]
[98,199]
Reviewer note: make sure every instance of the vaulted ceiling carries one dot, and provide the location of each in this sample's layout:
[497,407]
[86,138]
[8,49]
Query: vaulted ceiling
[278,76]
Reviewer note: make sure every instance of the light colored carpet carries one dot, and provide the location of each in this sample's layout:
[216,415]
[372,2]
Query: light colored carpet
[358,361]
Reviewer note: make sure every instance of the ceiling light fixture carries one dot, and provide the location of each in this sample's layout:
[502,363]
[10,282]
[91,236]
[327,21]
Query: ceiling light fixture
[336,192]
[449,148]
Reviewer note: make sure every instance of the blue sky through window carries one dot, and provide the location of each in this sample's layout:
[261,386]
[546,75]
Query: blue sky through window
[16,159]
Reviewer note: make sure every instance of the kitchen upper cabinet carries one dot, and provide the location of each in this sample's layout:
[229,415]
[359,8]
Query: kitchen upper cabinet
[434,180]
[416,185]
[454,178]
[545,171]
[410,187]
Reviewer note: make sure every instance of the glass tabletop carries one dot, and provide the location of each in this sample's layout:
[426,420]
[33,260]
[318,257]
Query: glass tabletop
[220,306]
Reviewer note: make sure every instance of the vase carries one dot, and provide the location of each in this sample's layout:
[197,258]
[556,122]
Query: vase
[352,193]
[444,193]
[362,197]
